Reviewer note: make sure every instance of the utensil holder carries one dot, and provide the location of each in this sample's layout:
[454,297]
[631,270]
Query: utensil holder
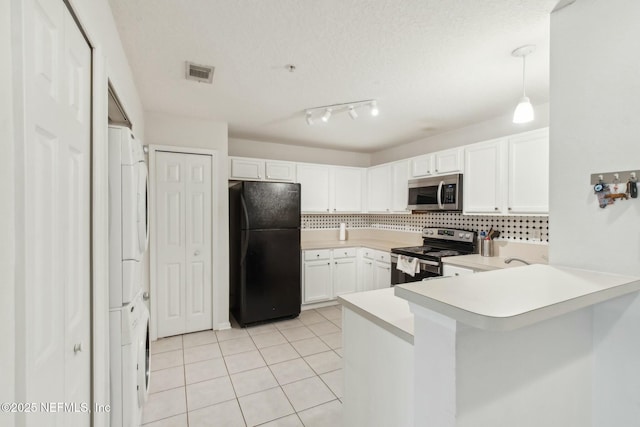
[486,248]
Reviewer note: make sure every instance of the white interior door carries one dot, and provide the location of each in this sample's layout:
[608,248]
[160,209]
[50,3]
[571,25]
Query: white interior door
[57,155]
[183,242]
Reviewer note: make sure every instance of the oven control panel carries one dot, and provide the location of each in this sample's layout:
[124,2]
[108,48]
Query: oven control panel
[449,234]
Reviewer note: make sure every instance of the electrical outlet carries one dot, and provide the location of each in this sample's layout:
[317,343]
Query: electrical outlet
[535,235]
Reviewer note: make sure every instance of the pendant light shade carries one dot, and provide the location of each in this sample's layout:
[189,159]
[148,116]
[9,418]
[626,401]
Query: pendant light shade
[524,110]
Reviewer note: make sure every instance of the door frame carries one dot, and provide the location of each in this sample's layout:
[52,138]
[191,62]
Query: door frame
[215,250]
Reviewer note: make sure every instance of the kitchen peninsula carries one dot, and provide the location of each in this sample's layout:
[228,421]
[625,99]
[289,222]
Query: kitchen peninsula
[500,348]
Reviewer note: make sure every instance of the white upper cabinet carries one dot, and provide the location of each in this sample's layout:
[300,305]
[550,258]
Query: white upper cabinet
[482,186]
[448,161]
[249,169]
[280,171]
[261,170]
[529,173]
[379,188]
[508,176]
[347,184]
[421,166]
[314,187]
[441,162]
[399,186]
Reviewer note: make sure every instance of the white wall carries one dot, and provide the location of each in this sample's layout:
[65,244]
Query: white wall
[165,129]
[489,129]
[7,250]
[595,90]
[296,153]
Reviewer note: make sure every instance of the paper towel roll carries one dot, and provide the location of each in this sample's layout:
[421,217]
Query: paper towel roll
[343,231]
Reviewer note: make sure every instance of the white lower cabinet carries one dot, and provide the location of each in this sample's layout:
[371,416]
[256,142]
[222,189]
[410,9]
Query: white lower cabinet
[375,266]
[345,276]
[317,281]
[452,270]
[328,273]
[382,275]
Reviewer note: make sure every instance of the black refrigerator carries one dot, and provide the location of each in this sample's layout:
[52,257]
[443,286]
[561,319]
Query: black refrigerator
[264,251]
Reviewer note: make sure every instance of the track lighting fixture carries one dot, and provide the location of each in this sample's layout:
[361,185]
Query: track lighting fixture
[524,110]
[325,112]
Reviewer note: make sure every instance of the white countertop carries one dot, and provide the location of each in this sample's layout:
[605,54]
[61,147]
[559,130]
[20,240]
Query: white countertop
[383,308]
[511,298]
[484,263]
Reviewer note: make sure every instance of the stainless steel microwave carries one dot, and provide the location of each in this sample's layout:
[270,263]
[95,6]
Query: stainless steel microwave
[437,193]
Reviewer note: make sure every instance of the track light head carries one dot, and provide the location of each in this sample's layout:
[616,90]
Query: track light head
[309,118]
[327,115]
[374,108]
[352,112]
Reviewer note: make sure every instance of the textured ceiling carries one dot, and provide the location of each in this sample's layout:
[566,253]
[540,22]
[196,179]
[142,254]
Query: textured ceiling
[433,65]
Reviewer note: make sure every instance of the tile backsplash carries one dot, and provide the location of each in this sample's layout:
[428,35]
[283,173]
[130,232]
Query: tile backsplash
[516,228]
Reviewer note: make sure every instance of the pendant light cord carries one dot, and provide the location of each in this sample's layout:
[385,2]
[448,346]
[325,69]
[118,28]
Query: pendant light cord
[524,68]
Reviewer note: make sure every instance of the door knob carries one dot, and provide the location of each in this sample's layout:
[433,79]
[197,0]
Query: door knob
[196,253]
[77,348]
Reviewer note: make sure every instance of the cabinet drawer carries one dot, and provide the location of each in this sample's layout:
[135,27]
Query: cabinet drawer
[317,254]
[344,253]
[376,255]
[383,256]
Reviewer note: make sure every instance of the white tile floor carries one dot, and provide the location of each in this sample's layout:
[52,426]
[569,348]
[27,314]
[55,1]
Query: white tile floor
[284,374]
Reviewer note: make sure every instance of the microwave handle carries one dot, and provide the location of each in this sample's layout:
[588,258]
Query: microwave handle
[440,195]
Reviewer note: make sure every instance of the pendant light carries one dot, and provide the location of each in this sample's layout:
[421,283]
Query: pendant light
[524,110]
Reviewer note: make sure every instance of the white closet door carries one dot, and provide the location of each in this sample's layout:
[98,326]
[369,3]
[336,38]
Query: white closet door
[57,82]
[198,242]
[183,242]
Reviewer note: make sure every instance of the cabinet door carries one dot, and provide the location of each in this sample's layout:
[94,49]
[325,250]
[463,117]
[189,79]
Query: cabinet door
[314,187]
[382,275]
[399,186]
[483,177]
[345,276]
[529,173]
[421,166]
[452,270]
[448,161]
[347,189]
[280,171]
[317,281]
[379,189]
[367,282]
[240,168]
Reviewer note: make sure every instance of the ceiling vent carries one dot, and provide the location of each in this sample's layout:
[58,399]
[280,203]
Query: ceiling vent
[199,73]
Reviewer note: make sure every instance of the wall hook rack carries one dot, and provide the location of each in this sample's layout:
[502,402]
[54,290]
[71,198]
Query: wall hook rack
[613,177]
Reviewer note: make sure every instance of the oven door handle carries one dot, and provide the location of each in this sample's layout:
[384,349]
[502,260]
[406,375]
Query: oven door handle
[440,195]
[394,259]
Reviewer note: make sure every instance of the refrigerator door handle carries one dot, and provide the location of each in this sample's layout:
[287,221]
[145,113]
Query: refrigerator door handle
[245,244]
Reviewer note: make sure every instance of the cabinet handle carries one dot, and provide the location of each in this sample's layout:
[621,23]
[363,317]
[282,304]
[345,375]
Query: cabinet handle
[509,208]
[457,274]
[495,209]
[388,268]
[436,170]
[329,263]
[77,348]
[318,255]
[259,176]
[327,210]
[336,262]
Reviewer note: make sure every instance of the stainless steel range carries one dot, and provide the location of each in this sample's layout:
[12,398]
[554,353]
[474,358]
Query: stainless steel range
[437,244]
